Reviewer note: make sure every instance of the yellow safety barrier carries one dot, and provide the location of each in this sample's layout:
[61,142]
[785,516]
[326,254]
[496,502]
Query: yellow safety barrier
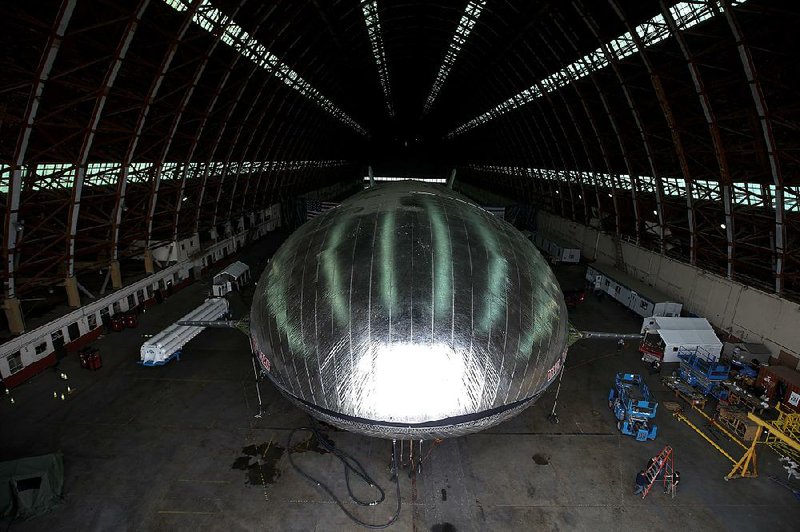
[720,427]
[678,414]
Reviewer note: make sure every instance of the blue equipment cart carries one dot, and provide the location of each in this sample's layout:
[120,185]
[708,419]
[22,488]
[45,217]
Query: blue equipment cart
[633,406]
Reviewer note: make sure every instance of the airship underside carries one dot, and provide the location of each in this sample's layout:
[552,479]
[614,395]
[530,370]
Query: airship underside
[409,312]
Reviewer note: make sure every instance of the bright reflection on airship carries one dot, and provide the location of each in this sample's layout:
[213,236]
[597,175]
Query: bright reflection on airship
[409,312]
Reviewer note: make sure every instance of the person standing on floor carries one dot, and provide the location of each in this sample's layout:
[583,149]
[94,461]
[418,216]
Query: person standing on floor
[641,482]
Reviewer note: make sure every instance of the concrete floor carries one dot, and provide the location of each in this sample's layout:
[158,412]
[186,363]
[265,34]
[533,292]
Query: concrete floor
[178,447]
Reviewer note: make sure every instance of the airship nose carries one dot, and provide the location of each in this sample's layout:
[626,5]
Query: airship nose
[412,382]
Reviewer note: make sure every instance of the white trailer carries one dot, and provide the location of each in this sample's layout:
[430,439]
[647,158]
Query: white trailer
[230,279]
[169,343]
[665,337]
[558,250]
[562,251]
[644,300]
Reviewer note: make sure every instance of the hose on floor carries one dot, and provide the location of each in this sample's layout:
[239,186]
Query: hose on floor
[354,466]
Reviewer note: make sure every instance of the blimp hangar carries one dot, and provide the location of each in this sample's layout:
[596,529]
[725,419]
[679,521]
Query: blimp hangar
[518,265]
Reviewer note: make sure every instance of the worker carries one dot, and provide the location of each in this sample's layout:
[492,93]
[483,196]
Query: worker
[641,482]
[675,478]
[655,367]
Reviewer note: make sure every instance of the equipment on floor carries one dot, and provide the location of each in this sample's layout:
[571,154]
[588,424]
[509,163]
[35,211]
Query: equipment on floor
[352,467]
[633,406]
[573,297]
[168,344]
[747,466]
[662,467]
[703,373]
[31,486]
[684,391]
[90,358]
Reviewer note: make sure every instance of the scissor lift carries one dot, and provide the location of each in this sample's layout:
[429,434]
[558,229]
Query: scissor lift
[633,406]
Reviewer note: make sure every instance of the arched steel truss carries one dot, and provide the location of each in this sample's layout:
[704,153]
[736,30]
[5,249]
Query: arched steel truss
[129,125]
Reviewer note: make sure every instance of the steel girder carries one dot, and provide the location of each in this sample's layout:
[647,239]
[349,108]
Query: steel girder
[13,225]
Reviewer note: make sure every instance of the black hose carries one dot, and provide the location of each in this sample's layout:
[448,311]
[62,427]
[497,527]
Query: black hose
[350,464]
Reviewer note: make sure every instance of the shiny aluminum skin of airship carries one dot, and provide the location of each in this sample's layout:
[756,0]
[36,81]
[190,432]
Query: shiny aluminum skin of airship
[409,312]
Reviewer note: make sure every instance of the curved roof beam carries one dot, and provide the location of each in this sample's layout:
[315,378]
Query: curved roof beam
[468,20]
[651,32]
[213,20]
[12,223]
[370,10]
[765,122]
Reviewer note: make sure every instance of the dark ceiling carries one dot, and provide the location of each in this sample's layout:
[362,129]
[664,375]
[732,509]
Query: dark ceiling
[687,145]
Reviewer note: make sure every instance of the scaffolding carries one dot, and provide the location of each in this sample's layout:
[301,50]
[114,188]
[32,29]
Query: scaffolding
[776,438]
[789,424]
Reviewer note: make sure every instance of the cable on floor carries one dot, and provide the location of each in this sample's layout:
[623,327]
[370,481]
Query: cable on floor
[354,466]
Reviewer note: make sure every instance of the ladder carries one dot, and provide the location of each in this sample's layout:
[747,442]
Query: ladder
[662,467]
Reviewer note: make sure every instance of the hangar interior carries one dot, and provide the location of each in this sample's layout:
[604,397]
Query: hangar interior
[146,145]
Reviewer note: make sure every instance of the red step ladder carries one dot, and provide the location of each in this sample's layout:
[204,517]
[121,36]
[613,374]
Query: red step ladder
[662,468]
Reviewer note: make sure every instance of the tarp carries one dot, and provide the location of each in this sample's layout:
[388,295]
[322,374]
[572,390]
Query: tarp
[31,486]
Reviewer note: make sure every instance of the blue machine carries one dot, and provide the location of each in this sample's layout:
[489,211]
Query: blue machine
[633,406]
[706,375]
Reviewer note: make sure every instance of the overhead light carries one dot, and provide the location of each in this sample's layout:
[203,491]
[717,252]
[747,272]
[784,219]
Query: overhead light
[655,212]
[723,226]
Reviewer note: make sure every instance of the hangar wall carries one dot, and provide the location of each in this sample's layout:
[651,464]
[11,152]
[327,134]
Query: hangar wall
[743,311]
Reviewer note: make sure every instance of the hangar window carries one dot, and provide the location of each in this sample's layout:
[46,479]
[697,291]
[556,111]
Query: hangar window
[14,362]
